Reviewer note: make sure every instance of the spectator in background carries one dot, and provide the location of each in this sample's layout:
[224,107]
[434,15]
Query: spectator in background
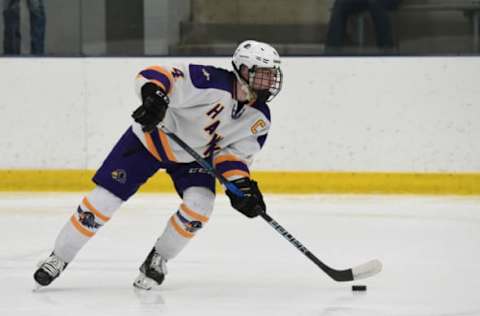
[378,9]
[12,38]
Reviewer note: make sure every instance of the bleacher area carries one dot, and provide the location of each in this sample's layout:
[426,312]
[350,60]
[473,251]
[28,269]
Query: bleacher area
[299,27]
[461,19]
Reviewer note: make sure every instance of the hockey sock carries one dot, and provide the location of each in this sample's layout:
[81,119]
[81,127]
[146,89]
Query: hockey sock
[94,211]
[191,216]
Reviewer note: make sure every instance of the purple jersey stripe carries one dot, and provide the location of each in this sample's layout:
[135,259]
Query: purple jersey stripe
[155,75]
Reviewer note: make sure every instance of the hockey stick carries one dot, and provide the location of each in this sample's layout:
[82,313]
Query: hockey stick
[362,271]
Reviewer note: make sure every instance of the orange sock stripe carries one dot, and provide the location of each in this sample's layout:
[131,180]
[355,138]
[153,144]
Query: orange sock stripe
[232,173]
[224,158]
[82,230]
[193,214]
[179,229]
[92,209]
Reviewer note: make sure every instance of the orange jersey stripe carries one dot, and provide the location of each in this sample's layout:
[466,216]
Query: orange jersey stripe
[179,229]
[92,209]
[224,158]
[166,146]
[167,73]
[151,147]
[82,230]
[232,173]
[193,214]
[158,83]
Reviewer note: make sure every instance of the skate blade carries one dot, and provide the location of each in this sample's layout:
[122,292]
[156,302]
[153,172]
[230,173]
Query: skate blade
[36,287]
[142,282]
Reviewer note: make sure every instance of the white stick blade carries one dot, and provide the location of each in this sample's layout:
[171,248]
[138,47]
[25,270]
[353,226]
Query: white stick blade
[367,270]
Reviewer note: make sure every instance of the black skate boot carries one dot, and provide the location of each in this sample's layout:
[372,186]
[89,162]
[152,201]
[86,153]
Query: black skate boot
[49,270]
[152,271]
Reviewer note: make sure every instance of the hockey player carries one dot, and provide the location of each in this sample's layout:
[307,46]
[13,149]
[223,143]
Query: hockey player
[221,114]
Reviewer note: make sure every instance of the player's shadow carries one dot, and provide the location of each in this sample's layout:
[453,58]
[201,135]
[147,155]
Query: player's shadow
[58,296]
[149,298]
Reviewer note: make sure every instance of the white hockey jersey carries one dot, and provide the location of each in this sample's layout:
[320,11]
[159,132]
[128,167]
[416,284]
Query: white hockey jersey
[204,113]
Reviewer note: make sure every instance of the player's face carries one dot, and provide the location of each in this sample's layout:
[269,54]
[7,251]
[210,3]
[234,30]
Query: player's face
[266,83]
[264,78]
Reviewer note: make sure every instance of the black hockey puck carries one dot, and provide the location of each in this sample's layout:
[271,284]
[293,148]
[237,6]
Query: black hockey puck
[359,287]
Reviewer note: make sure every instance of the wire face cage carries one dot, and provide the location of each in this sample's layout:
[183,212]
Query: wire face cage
[265,82]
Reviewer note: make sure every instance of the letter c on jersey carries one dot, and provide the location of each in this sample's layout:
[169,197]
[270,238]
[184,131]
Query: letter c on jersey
[258,126]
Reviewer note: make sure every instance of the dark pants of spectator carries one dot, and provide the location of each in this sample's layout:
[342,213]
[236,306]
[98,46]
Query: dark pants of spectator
[12,37]
[378,9]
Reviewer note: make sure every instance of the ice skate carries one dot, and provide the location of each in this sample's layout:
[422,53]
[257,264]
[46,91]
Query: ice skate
[49,269]
[152,271]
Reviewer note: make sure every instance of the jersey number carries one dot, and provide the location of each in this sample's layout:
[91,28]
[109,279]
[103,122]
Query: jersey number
[177,73]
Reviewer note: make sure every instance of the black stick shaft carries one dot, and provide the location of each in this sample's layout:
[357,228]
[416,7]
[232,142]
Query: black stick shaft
[205,164]
[337,275]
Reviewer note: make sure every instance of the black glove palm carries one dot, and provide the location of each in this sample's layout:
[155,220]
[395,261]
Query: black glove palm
[154,107]
[251,204]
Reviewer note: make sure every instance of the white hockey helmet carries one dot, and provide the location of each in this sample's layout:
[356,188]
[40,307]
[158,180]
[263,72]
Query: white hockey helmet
[264,80]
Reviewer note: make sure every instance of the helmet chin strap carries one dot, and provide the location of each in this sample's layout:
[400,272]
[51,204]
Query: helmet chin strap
[263,95]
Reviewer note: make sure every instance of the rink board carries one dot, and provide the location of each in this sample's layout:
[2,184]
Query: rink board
[270,181]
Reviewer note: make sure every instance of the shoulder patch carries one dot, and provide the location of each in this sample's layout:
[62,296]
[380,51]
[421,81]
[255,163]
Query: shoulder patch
[209,77]
[258,126]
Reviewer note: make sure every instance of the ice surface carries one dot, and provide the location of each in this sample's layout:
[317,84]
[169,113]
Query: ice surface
[429,247]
